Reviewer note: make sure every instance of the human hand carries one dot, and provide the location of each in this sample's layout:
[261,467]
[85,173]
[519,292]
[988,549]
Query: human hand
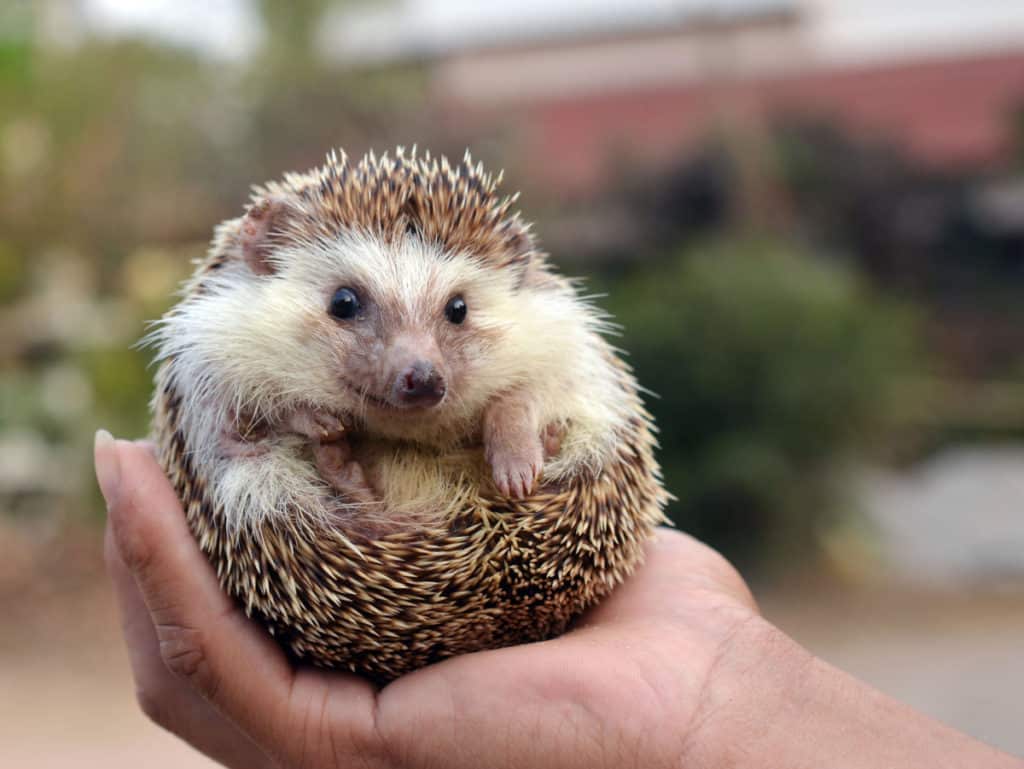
[206,673]
[675,668]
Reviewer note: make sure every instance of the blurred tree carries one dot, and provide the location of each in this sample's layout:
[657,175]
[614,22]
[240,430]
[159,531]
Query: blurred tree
[290,35]
[771,368]
[916,233]
[1017,137]
[301,104]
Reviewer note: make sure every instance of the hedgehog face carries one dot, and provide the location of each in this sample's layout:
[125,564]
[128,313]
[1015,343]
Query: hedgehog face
[406,372]
[400,291]
[408,336]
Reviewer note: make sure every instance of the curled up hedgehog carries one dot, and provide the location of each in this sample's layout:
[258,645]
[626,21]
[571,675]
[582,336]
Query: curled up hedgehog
[397,433]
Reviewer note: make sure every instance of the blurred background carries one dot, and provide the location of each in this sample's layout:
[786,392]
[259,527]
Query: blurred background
[807,214]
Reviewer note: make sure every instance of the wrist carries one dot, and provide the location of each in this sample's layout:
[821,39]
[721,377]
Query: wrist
[770,703]
[748,690]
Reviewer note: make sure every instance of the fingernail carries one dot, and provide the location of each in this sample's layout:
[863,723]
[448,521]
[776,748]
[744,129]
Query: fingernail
[108,466]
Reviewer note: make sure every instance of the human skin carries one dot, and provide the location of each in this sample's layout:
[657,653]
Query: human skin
[676,668]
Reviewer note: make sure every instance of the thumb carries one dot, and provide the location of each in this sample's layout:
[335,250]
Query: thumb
[202,635]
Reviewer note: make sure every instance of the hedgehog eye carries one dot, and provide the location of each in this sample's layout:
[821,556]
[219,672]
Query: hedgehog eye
[344,304]
[456,310]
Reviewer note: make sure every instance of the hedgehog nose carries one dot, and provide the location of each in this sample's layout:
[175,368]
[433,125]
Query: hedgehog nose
[420,385]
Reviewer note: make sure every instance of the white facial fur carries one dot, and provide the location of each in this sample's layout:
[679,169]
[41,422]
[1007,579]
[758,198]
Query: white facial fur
[264,344]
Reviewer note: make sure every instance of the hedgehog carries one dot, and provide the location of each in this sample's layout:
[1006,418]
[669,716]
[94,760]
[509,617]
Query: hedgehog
[397,433]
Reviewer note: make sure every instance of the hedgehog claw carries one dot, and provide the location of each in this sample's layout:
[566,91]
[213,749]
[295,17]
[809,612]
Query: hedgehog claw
[318,426]
[515,473]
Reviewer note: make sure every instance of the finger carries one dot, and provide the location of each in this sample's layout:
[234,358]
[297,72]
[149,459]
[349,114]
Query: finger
[149,446]
[165,698]
[201,636]
[678,573]
[206,641]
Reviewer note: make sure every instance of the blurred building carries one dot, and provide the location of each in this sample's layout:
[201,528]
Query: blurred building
[592,82]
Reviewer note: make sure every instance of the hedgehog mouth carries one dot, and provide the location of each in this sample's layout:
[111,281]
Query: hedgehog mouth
[387,405]
[367,397]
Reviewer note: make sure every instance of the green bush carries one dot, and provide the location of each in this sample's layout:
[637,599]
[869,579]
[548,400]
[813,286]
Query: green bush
[772,367]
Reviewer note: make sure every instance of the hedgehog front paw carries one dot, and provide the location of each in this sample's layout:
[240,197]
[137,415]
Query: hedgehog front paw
[237,446]
[516,471]
[552,437]
[318,426]
[242,436]
[345,475]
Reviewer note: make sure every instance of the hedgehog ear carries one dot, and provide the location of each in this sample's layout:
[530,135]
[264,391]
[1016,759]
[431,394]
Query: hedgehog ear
[521,253]
[261,225]
[519,244]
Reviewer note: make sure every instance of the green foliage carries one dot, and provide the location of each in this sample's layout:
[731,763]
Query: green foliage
[13,272]
[121,380]
[770,367]
[14,62]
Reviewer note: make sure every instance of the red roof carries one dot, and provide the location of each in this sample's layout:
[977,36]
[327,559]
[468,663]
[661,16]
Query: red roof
[948,112]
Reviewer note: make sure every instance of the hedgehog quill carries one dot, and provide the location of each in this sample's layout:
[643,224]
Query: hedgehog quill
[397,433]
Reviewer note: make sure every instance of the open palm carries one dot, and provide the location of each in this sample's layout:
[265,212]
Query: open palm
[629,685]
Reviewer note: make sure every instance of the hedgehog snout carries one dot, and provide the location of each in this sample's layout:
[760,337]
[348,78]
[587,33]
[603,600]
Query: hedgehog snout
[419,384]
